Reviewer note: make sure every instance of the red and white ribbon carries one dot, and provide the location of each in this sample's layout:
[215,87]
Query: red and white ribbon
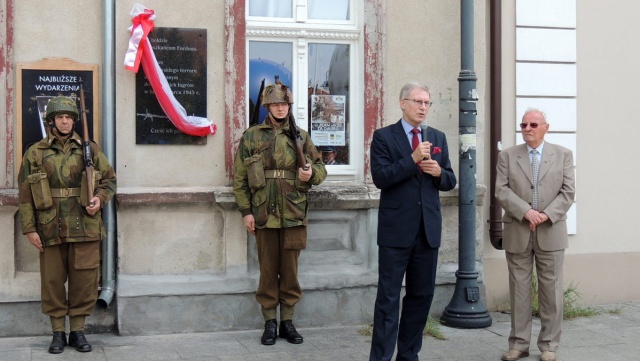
[140,52]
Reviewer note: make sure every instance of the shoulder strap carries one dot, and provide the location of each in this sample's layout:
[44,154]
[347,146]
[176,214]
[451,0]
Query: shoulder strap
[257,139]
[39,155]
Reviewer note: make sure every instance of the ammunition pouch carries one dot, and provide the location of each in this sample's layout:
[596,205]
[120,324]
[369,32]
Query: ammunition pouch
[255,172]
[40,190]
[97,176]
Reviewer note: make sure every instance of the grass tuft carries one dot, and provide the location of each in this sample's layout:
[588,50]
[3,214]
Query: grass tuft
[571,303]
[431,329]
[615,311]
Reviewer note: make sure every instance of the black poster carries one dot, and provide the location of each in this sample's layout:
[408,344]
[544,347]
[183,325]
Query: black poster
[41,85]
[182,56]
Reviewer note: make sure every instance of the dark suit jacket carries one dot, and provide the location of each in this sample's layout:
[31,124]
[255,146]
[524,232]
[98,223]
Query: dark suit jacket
[408,194]
[556,191]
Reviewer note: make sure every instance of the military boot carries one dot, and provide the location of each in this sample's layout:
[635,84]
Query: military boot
[58,343]
[269,334]
[77,340]
[288,331]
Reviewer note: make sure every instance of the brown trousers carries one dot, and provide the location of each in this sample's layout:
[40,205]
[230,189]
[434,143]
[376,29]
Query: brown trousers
[78,263]
[278,252]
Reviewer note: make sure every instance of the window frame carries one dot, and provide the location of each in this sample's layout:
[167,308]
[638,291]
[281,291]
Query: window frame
[301,33]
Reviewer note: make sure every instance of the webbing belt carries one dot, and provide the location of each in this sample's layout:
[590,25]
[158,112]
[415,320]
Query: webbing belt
[65,192]
[279,174]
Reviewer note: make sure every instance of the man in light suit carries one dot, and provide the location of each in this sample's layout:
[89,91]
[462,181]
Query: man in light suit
[535,229]
[409,223]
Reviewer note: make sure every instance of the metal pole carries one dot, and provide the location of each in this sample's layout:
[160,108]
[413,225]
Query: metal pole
[466,309]
[108,281]
[495,211]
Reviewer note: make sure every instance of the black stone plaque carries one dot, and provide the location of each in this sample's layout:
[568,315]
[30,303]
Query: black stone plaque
[182,56]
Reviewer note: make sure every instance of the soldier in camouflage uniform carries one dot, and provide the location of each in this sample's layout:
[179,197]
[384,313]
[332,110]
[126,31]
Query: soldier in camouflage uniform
[271,193]
[61,224]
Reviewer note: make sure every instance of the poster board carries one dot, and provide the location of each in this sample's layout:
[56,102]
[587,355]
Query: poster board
[38,82]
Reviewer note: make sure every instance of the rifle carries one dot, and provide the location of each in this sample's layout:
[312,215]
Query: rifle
[86,146]
[256,108]
[295,136]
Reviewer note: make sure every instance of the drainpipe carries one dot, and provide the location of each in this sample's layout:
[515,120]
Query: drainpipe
[495,211]
[108,144]
[466,308]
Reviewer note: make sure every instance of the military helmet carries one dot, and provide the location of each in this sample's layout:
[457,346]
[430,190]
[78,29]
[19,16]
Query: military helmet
[276,93]
[61,104]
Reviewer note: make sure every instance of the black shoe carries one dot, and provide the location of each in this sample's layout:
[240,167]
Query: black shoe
[288,331]
[58,343]
[77,340]
[269,334]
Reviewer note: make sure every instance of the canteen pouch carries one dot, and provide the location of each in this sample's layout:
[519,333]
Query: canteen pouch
[255,172]
[40,190]
[97,176]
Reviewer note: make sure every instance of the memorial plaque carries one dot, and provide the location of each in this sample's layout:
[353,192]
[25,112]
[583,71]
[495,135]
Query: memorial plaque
[182,56]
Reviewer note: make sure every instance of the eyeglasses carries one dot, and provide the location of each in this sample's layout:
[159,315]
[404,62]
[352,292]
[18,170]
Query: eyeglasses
[420,102]
[532,125]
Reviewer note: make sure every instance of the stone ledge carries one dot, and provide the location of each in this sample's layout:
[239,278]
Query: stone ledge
[9,197]
[221,284]
[338,195]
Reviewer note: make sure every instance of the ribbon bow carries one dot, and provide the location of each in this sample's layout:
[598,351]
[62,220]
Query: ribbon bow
[140,52]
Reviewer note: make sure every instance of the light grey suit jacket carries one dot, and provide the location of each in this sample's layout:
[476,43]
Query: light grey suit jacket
[556,191]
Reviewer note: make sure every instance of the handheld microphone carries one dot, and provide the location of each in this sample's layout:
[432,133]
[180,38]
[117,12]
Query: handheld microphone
[423,128]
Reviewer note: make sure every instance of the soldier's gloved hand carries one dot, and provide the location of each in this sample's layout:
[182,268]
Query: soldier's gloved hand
[94,206]
[34,239]
[305,175]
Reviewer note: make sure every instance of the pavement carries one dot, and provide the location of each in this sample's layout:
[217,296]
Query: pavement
[612,335]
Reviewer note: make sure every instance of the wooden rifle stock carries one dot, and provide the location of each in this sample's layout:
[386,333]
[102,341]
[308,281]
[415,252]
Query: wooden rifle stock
[86,147]
[295,136]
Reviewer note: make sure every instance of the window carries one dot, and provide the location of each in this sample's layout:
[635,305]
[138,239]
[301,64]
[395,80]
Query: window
[313,46]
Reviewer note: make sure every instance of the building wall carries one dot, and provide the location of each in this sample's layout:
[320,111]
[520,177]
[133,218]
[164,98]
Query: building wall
[603,255]
[184,261]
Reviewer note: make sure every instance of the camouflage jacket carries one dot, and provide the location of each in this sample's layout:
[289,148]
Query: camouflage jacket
[280,203]
[63,162]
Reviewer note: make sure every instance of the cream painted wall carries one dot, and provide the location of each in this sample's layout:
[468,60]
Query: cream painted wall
[423,44]
[177,238]
[604,254]
[607,109]
[55,35]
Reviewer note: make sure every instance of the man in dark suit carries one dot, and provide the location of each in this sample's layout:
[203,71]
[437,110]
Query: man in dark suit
[535,228]
[409,223]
